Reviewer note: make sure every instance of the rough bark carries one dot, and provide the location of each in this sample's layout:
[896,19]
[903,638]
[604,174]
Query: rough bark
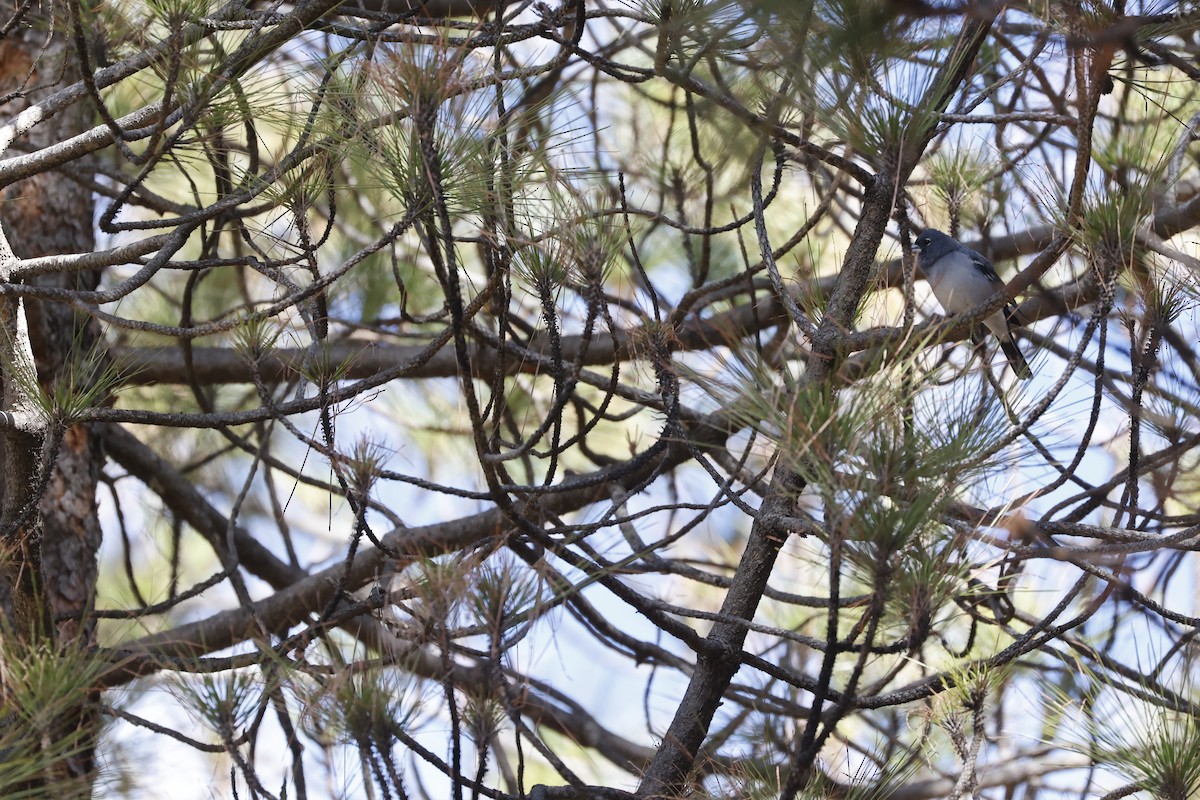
[47,215]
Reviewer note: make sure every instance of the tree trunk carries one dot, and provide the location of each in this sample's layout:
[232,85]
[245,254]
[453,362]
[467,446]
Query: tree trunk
[52,214]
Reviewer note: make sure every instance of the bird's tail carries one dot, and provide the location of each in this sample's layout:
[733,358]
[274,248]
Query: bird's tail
[1015,359]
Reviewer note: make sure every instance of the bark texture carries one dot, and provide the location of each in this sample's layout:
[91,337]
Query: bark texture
[52,214]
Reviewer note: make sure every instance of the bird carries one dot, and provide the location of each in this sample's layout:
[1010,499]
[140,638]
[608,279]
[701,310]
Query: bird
[962,279]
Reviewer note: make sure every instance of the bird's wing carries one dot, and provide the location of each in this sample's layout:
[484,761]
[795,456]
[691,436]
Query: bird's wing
[984,266]
[988,271]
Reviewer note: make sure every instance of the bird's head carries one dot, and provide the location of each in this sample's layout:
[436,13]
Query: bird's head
[933,244]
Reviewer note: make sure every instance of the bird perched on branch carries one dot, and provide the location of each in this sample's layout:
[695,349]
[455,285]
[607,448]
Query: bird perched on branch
[962,279]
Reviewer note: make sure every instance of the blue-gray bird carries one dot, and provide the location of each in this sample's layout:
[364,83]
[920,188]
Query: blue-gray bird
[962,279]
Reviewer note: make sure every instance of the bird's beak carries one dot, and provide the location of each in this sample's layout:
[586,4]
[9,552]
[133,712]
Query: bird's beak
[916,248]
